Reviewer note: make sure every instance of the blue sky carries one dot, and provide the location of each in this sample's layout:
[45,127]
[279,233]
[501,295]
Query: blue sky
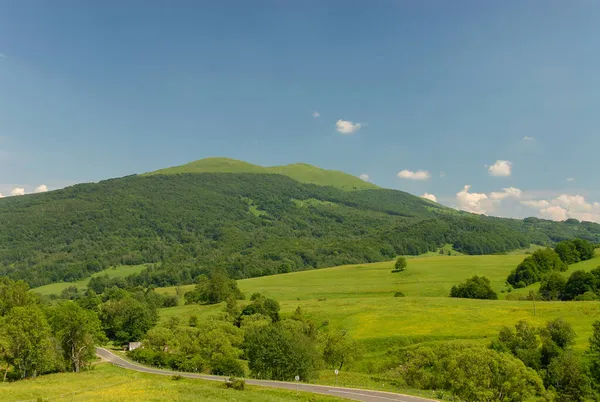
[90,90]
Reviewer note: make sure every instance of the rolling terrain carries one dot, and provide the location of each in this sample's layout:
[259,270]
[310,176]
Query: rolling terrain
[360,298]
[223,214]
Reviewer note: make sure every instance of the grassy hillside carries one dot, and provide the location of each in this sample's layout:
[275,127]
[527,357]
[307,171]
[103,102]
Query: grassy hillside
[301,172]
[109,383]
[360,299]
[120,271]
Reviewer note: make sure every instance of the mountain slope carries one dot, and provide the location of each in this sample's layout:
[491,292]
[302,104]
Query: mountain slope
[301,172]
[248,224]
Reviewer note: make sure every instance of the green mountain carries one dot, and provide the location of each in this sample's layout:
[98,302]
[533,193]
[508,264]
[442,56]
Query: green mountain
[248,224]
[302,172]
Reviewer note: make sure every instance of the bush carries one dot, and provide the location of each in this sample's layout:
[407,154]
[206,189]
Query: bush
[177,378]
[399,294]
[400,265]
[478,287]
[468,370]
[235,383]
[227,366]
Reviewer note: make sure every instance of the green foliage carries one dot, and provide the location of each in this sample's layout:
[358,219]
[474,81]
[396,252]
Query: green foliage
[213,290]
[185,225]
[400,265]
[568,378]
[533,268]
[77,330]
[572,251]
[30,347]
[477,287]
[235,383]
[127,319]
[553,286]
[469,371]
[263,306]
[579,283]
[280,352]
[399,294]
[339,348]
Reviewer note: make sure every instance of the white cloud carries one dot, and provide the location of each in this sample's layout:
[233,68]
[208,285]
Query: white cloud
[570,179]
[347,127]
[3,56]
[41,189]
[430,197]
[418,175]
[537,204]
[507,192]
[471,202]
[500,168]
[364,177]
[316,115]
[1,196]
[18,191]
[442,174]
[566,206]
[528,138]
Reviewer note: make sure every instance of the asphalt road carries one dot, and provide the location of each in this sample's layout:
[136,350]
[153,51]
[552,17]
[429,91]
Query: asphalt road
[348,393]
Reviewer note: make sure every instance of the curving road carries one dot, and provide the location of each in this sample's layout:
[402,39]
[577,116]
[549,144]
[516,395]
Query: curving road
[348,393]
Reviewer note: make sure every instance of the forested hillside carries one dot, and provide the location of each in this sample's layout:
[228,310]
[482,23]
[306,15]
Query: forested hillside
[247,224]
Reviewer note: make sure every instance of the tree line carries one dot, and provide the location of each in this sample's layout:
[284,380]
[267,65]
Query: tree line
[533,268]
[246,224]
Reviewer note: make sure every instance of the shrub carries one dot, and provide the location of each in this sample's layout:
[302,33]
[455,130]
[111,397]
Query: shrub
[235,383]
[478,287]
[177,378]
[399,294]
[401,265]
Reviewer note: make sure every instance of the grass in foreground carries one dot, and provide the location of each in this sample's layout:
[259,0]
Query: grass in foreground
[109,383]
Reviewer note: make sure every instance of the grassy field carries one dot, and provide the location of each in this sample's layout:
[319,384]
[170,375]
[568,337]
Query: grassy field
[115,272]
[109,383]
[360,299]
[301,172]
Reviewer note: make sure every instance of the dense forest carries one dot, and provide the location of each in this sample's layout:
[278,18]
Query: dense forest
[184,225]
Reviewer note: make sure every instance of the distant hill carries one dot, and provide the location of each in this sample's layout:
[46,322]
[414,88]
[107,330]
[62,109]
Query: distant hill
[248,224]
[302,172]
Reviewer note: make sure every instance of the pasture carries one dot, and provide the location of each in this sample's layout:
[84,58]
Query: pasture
[360,298]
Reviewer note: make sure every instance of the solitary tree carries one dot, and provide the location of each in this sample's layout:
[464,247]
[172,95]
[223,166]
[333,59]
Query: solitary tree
[400,264]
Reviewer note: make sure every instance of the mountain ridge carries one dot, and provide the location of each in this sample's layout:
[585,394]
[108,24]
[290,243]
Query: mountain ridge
[302,172]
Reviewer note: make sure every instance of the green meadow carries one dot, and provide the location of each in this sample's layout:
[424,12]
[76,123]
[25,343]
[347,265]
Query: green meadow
[360,298]
[114,272]
[109,383]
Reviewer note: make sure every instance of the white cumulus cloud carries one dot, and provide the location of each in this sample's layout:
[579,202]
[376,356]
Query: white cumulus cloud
[418,175]
[501,168]
[566,206]
[442,174]
[364,177]
[347,127]
[528,138]
[506,193]
[18,191]
[471,202]
[430,197]
[316,115]
[41,188]
[570,179]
